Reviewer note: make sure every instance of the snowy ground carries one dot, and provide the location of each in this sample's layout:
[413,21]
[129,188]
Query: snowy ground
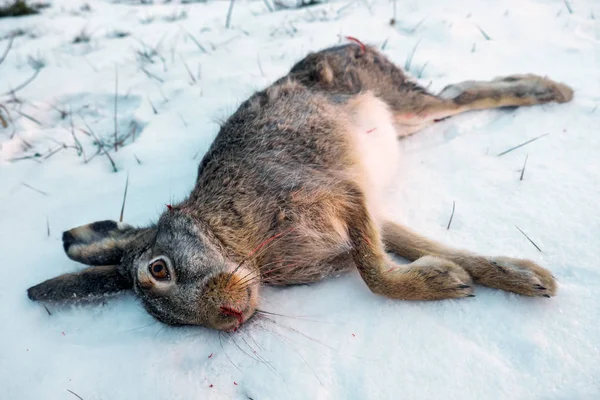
[338,340]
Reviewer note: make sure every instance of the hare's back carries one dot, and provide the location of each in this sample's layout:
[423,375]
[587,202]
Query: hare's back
[351,69]
[287,126]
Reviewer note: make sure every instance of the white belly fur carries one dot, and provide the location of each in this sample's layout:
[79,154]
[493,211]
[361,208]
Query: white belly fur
[377,148]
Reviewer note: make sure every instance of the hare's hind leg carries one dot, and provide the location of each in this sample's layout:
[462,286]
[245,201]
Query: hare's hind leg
[510,274]
[509,91]
[437,272]
[428,278]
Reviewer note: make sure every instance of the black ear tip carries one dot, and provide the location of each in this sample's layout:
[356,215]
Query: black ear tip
[68,239]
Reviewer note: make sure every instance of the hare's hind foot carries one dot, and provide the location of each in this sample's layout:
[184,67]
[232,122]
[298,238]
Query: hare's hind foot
[507,91]
[543,89]
[519,276]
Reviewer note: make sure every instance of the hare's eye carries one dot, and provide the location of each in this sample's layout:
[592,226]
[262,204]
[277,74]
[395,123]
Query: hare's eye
[159,270]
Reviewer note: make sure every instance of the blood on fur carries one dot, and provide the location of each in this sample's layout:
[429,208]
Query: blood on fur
[355,40]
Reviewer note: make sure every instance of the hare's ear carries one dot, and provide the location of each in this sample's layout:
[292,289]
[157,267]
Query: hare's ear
[93,281]
[99,243]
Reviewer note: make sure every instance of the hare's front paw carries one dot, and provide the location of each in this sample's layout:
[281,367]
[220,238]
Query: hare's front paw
[519,276]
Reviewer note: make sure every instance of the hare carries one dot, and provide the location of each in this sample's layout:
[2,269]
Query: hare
[290,192]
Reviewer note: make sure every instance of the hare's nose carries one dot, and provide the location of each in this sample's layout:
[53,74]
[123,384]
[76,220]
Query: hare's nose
[236,316]
[237,311]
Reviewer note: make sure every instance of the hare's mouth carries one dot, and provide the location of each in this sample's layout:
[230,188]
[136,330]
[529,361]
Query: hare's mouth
[240,316]
[231,312]
[239,313]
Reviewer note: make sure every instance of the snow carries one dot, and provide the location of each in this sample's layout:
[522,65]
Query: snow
[337,340]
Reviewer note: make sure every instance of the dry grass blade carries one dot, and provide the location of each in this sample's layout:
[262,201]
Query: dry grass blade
[34,189]
[124,198]
[75,394]
[24,84]
[139,327]
[451,215]
[384,44]
[345,7]
[8,47]
[568,5]
[483,33]
[196,42]
[53,152]
[229,12]
[87,160]
[409,59]
[522,144]
[100,146]
[3,121]
[532,242]
[524,165]
[420,73]
[154,110]
[47,226]
[151,75]
[78,145]
[33,157]
[268,5]
[262,72]
[192,77]
[131,134]
[29,117]
[182,120]
[116,103]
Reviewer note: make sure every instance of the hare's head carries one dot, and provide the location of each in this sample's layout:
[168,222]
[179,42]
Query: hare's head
[177,269]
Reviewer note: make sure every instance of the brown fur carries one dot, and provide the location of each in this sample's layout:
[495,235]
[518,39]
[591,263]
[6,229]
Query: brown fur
[289,165]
